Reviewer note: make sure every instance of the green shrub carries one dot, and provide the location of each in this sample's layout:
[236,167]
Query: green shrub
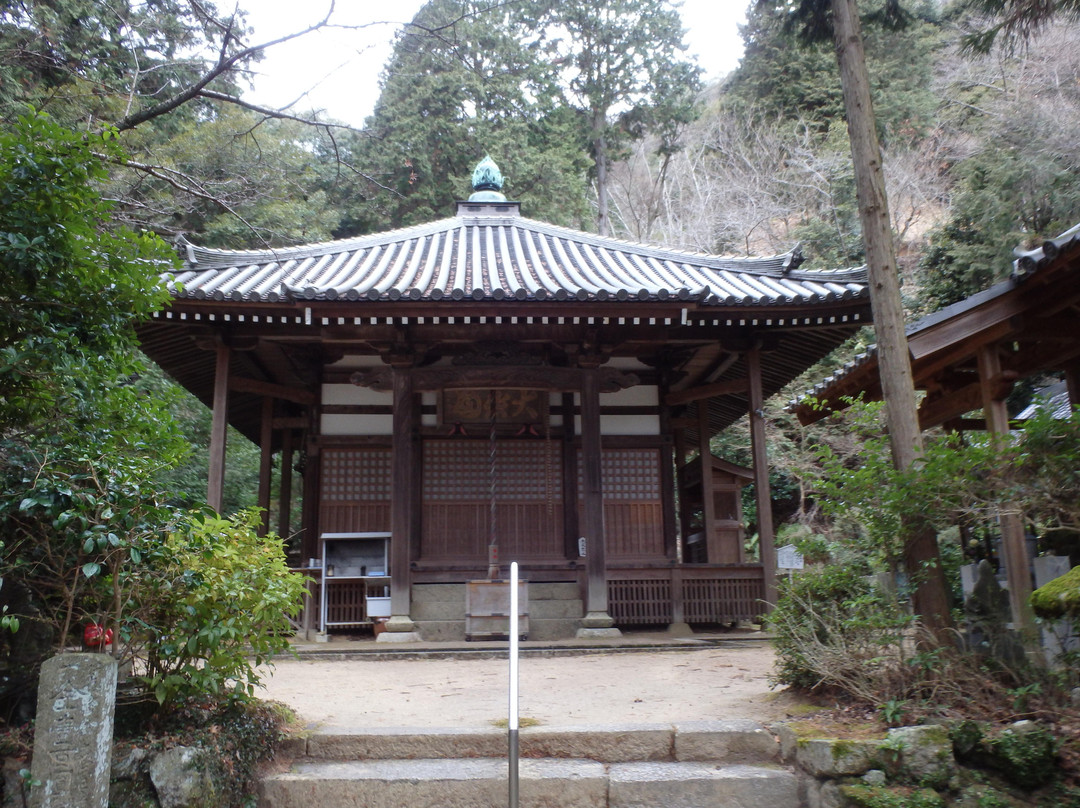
[863,796]
[223,596]
[833,628]
[1025,754]
[1025,757]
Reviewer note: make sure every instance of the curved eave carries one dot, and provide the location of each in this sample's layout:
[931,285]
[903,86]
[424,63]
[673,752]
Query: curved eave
[503,258]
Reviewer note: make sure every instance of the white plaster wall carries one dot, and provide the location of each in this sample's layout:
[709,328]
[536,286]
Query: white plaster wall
[351,394]
[357,424]
[637,396]
[429,400]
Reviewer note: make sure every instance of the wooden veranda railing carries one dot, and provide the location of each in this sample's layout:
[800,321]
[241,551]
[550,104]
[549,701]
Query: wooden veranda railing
[698,593]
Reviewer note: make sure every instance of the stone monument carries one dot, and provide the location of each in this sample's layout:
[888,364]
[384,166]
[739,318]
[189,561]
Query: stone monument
[73,739]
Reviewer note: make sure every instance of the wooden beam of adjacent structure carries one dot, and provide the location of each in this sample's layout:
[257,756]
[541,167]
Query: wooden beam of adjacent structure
[266,463]
[934,411]
[762,491]
[1014,549]
[215,483]
[268,389]
[724,388]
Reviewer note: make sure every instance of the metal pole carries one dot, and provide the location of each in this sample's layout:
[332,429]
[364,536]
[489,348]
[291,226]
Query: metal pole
[513,721]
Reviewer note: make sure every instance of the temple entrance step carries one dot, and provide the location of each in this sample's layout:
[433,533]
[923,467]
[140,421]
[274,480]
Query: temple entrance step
[686,765]
[548,782]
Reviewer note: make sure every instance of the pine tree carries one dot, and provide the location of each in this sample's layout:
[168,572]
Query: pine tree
[465,80]
[623,67]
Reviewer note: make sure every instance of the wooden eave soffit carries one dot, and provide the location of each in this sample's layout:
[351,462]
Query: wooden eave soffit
[239,384]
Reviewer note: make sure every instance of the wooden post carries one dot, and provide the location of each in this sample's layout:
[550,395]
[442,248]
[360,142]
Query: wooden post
[266,463]
[1017,567]
[678,604]
[667,497]
[667,473]
[762,491]
[1072,384]
[714,553]
[402,504]
[569,478]
[596,604]
[215,484]
[285,490]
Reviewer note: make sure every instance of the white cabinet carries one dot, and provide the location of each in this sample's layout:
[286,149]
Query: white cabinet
[355,578]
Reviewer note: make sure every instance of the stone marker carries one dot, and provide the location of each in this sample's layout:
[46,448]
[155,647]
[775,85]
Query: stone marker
[73,739]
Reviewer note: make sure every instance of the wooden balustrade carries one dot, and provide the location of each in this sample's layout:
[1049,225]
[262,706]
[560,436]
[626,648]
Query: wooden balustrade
[702,593]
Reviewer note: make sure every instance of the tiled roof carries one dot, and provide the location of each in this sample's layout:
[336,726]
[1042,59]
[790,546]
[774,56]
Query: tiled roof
[487,252]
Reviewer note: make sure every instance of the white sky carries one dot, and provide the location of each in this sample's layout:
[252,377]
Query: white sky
[340,69]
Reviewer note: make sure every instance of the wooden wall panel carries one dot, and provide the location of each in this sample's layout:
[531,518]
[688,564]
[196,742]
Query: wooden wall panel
[338,517]
[354,494]
[456,519]
[460,532]
[633,504]
[634,530]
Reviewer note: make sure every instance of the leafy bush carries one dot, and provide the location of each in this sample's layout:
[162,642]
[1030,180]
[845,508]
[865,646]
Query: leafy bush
[1025,753]
[222,596]
[834,629]
[865,796]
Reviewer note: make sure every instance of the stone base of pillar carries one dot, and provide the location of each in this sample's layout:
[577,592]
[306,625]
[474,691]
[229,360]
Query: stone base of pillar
[399,636]
[399,624]
[680,630]
[597,626]
[597,620]
[598,633]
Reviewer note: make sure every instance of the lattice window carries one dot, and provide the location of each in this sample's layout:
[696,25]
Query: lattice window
[460,471]
[628,474]
[356,475]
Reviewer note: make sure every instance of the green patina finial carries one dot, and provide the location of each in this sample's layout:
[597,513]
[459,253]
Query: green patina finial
[487,182]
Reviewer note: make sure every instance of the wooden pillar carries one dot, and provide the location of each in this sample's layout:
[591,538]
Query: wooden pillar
[285,489]
[596,603]
[215,485]
[667,498]
[762,491]
[309,540]
[1017,566]
[714,553]
[569,478]
[266,463]
[401,506]
[667,473]
[1072,384]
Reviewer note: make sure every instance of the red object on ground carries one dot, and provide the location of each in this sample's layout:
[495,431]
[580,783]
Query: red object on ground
[95,635]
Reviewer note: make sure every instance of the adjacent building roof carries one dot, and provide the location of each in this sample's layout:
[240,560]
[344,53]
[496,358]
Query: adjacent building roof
[489,252]
[1032,316]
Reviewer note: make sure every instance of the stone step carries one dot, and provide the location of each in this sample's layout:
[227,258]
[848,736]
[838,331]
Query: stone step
[455,609]
[480,782]
[726,742]
[569,608]
[539,629]
[561,628]
[554,591]
[438,593]
[453,593]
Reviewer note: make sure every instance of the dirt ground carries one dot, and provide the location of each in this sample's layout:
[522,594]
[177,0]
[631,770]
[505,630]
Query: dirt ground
[599,688]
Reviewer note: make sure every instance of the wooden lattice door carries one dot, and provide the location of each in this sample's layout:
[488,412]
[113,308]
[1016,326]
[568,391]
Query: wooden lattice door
[457,500]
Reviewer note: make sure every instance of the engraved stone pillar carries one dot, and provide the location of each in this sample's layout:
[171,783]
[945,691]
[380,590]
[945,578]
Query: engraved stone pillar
[73,740]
